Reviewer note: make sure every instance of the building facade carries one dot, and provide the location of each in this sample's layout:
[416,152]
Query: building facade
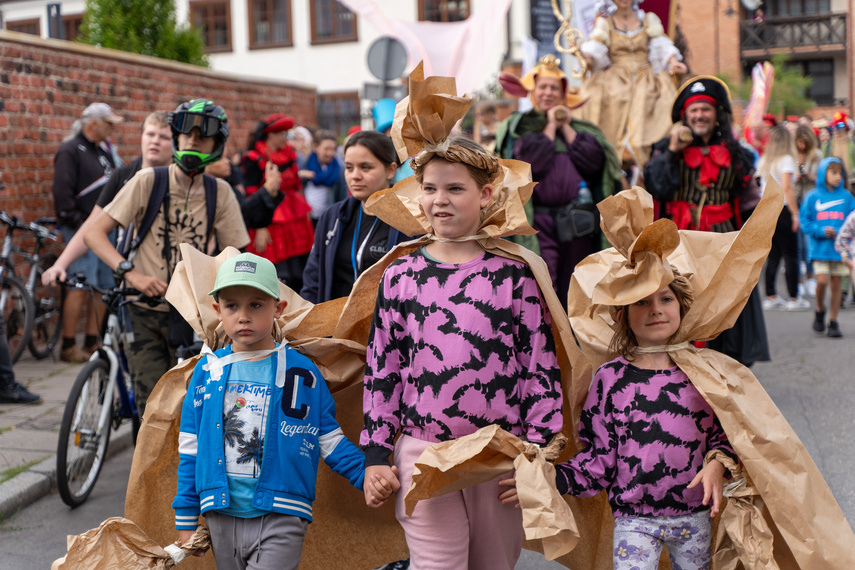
[322,43]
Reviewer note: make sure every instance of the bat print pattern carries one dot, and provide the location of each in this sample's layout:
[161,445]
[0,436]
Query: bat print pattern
[645,434]
[454,348]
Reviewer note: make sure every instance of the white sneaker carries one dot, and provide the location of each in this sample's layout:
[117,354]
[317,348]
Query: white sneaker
[810,287]
[776,304]
[801,290]
[800,304]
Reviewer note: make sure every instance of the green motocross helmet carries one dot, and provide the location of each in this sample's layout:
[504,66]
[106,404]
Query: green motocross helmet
[211,121]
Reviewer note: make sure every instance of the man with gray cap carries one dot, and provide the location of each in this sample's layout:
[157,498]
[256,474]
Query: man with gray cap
[81,169]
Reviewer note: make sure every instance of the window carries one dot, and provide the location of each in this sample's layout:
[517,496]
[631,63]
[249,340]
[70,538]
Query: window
[32,26]
[71,26]
[821,71]
[332,22]
[214,18]
[786,8]
[443,10]
[269,23]
[338,112]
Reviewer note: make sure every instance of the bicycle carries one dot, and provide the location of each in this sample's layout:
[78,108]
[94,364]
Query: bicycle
[32,311]
[101,398]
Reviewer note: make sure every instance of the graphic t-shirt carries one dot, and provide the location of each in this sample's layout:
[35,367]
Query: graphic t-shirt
[158,253]
[245,408]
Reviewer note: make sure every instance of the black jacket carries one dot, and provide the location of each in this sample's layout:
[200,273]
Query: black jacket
[81,170]
[319,271]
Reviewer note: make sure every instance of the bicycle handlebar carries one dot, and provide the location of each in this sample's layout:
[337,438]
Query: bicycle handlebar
[37,226]
[78,281]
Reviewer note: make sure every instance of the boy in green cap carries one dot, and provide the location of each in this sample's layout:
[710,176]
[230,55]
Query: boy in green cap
[256,419]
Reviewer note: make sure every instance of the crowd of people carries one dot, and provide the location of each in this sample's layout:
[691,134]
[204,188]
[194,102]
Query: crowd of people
[462,335]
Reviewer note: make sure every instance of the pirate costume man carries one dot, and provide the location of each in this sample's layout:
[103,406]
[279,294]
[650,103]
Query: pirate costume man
[699,175]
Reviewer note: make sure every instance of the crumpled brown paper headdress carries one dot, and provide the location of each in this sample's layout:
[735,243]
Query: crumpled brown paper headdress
[722,269]
[423,123]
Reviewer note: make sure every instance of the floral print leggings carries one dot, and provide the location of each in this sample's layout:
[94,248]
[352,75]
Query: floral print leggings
[638,541]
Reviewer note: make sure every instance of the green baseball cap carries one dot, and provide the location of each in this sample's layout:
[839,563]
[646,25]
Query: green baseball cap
[250,270]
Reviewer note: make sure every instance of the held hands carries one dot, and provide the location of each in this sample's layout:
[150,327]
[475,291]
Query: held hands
[681,137]
[510,496]
[184,536]
[712,478]
[380,482]
[830,232]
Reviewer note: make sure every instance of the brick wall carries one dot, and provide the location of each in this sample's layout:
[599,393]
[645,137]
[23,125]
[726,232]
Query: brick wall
[46,84]
[711,32]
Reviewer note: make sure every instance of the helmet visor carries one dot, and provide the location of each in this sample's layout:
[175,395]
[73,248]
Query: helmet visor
[186,122]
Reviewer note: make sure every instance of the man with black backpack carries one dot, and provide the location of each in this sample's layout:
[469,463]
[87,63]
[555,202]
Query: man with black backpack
[168,206]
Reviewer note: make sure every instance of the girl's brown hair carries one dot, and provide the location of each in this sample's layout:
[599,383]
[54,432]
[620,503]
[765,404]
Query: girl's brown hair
[624,342]
[482,166]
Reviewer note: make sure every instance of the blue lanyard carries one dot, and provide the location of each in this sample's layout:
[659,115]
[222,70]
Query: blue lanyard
[356,263]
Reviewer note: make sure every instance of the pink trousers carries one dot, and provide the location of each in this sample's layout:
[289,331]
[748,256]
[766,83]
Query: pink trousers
[469,529]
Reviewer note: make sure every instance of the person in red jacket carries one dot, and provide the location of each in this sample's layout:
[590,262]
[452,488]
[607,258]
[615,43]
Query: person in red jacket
[271,162]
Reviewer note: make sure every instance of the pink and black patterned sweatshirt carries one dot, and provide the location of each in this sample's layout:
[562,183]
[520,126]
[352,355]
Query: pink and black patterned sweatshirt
[454,348]
[647,432]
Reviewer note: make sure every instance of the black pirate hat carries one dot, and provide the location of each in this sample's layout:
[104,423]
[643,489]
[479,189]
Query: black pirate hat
[701,88]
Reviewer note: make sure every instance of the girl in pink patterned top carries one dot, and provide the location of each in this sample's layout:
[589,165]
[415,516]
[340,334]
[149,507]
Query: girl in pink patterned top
[646,432]
[461,339]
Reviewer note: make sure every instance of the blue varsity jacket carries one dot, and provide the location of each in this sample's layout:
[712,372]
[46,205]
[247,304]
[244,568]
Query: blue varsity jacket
[301,429]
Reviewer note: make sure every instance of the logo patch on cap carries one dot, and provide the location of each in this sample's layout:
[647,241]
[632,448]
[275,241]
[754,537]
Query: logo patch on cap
[697,87]
[245,267]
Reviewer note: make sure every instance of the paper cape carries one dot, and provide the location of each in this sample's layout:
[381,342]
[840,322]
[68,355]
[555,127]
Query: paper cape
[119,543]
[342,522]
[799,514]
[504,216]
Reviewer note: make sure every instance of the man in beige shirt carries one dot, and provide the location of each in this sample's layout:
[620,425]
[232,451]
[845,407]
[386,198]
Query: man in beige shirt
[199,134]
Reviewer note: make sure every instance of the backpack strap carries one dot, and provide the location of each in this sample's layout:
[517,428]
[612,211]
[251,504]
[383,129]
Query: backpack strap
[210,204]
[155,199]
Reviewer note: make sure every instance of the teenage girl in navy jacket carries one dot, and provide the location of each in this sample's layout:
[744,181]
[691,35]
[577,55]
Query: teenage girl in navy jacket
[348,240]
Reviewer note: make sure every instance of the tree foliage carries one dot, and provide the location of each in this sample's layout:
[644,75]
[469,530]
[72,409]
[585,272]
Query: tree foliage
[146,27]
[789,89]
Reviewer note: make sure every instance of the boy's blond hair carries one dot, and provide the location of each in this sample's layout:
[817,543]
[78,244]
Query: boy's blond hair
[158,119]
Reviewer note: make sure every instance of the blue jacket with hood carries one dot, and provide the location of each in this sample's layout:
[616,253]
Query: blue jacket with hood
[823,208]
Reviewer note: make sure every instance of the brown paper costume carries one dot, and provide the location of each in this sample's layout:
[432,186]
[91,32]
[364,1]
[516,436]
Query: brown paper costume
[119,543]
[781,513]
[344,532]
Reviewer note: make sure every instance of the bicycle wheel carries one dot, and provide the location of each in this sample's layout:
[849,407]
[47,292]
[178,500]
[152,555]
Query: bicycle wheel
[18,314]
[82,440]
[47,300]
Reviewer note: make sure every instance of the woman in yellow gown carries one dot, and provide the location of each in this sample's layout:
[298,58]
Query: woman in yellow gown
[632,87]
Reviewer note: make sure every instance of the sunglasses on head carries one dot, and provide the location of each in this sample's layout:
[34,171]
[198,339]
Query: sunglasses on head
[186,122]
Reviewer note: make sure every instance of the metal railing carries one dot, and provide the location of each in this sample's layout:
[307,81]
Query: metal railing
[783,34]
